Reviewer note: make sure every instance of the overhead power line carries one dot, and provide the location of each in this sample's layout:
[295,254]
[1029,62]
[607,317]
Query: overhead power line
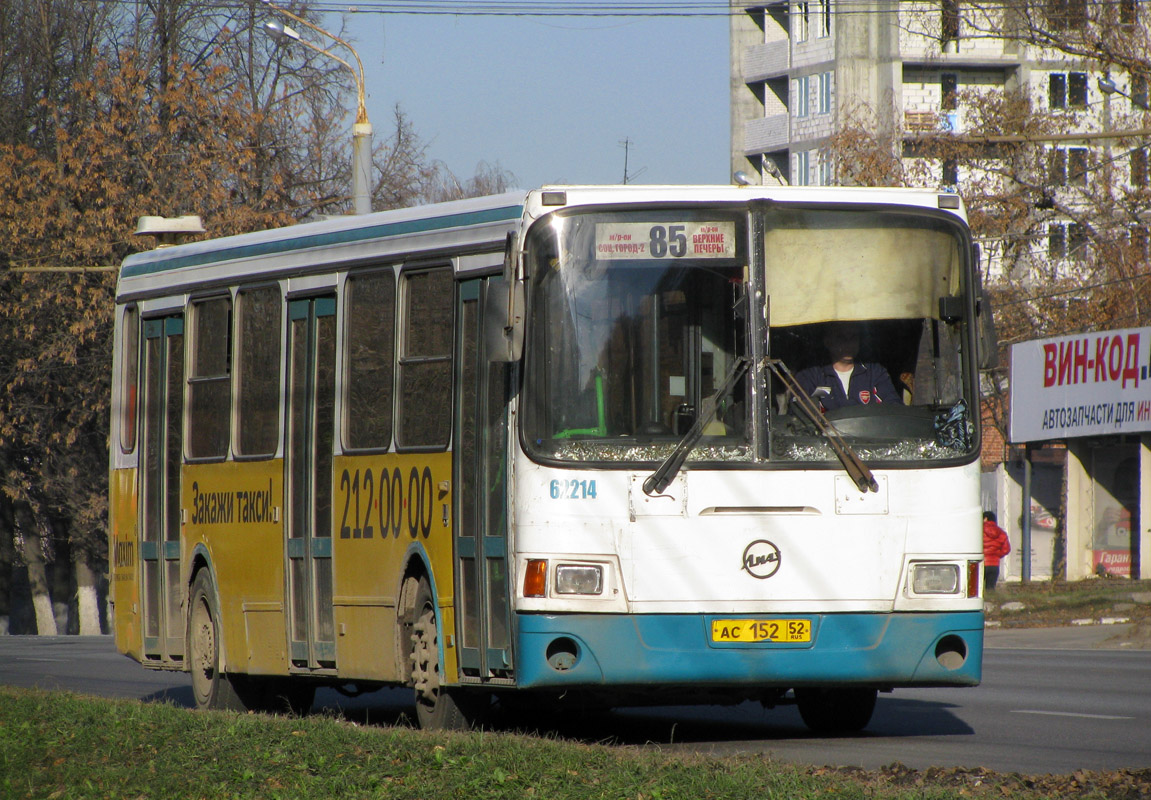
[505,8]
[534,8]
[642,8]
[1073,290]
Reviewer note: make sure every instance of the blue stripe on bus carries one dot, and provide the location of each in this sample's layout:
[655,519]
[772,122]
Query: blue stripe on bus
[890,650]
[153,261]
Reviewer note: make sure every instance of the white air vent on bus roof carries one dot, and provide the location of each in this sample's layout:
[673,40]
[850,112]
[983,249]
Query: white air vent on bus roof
[169,230]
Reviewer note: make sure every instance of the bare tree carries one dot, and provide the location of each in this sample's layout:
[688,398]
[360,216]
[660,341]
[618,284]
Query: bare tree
[488,179]
[45,47]
[113,110]
[120,152]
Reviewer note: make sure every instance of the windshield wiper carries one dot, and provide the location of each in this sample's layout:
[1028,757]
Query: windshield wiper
[855,467]
[666,472]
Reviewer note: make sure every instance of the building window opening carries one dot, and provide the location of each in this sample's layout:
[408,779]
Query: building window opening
[1077,90]
[949,91]
[1067,90]
[1056,241]
[949,30]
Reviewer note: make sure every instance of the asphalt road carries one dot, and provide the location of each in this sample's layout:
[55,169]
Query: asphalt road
[1052,701]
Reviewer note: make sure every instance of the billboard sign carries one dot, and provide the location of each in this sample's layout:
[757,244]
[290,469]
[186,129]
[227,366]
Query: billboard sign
[1086,384]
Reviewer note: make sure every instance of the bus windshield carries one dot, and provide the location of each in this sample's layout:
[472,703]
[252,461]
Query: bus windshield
[870,311]
[639,316]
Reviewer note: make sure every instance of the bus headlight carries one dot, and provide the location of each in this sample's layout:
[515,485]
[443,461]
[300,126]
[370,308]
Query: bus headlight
[579,579]
[934,578]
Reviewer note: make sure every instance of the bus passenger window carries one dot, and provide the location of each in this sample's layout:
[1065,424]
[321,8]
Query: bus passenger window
[130,365]
[258,378]
[368,360]
[209,379]
[424,419]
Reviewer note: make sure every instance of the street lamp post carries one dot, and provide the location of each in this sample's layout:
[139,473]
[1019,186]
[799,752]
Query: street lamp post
[362,129]
[1109,87]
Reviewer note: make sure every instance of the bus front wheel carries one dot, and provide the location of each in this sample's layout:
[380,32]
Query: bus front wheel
[210,687]
[836,710]
[438,707]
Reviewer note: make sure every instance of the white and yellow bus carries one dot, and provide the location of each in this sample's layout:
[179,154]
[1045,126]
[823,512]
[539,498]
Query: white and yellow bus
[552,444]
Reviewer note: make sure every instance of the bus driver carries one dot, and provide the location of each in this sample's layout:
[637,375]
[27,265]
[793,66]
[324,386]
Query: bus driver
[846,381]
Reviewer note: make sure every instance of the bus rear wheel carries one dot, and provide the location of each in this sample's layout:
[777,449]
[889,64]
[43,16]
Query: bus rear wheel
[836,710]
[438,707]
[210,687]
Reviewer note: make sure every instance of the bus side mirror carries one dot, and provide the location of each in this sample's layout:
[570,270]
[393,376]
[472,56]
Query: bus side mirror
[986,340]
[951,309]
[504,320]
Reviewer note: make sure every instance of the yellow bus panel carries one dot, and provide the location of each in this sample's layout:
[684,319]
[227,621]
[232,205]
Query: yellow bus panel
[233,515]
[125,563]
[385,509]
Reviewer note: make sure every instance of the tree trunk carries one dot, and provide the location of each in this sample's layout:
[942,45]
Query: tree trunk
[38,582]
[8,558]
[87,605]
[37,574]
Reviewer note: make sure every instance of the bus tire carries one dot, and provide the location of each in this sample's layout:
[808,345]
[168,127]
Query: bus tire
[438,707]
[836,710]
[210,686]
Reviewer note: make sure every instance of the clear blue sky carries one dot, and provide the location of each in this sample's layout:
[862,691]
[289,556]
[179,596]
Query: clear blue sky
[551,99]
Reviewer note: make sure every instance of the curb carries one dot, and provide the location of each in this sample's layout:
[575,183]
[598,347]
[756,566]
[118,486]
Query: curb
[994,623]
[1090,634]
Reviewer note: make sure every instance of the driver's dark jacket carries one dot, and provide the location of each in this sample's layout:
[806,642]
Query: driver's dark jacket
[869,384]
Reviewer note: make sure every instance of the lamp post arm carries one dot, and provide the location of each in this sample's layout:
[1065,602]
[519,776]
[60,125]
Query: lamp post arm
[334,57]
[362,130]
[1109,87]
[357,71]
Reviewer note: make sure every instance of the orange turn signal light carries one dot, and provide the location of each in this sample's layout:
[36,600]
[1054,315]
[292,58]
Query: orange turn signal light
[536,578]
[973,578]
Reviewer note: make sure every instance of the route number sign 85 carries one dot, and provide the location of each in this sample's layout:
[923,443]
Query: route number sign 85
[668,240]
[687,239]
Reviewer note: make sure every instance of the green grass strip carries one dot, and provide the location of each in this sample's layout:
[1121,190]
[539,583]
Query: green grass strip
[55,745]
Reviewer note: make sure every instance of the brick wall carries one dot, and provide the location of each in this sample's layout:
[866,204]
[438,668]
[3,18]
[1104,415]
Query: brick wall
[995,450]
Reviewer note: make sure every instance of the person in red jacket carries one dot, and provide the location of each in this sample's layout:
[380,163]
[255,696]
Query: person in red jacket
[995,547]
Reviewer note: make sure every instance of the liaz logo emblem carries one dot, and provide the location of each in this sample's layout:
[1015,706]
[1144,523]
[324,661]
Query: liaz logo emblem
[761,559]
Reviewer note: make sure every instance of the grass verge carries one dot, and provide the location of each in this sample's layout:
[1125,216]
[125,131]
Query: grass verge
[1062,602]
[56,745]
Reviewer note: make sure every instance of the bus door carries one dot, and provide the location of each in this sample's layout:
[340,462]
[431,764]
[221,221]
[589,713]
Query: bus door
[161,437]
[480,467]
[311,371]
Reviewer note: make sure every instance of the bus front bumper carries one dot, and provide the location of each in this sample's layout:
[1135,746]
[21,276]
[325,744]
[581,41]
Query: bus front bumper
[887,650]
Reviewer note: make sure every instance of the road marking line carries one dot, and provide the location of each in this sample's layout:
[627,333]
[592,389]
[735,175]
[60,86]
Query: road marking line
[1066,714]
